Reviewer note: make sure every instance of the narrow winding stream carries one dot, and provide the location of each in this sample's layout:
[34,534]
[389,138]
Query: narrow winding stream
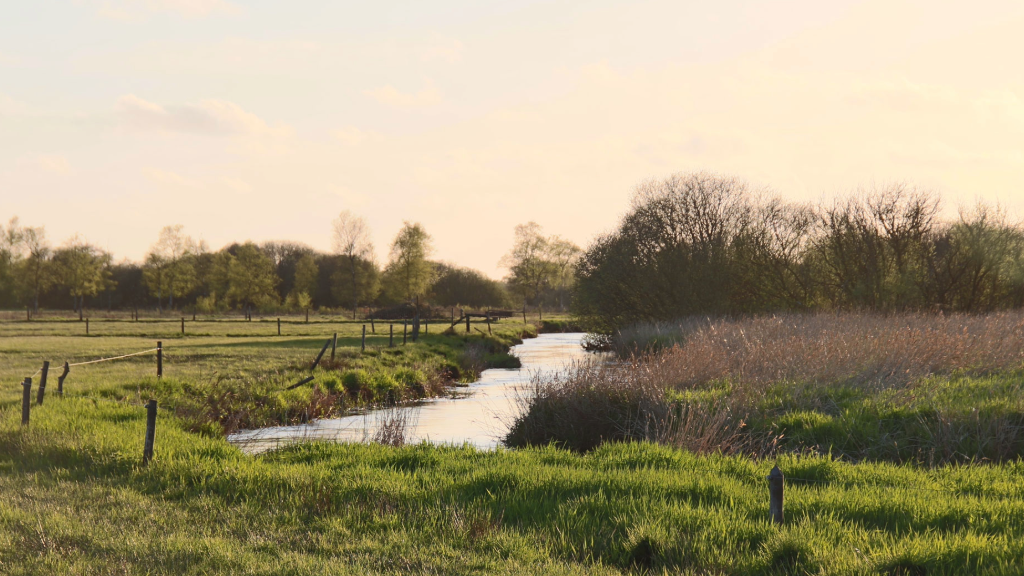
[478,415]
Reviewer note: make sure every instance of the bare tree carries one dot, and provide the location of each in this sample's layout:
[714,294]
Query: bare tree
[351,240]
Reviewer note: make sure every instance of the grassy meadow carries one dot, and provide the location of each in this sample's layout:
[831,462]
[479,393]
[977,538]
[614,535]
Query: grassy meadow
[77,499]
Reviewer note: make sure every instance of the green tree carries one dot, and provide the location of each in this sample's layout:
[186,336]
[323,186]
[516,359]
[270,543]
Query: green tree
[530,269]
[251,277]
[409,274]
[34,270]
[306,275]
[82,269]
[171,265]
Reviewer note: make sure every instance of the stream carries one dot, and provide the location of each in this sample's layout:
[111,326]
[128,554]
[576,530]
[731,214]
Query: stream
[478,414]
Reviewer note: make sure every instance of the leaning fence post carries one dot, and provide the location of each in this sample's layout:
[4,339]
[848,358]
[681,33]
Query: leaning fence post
[147,450]
[364,339]
[26,400]
[159,359]
[334,344]
[42,382]
[776,481]
[60,380]
[321,354]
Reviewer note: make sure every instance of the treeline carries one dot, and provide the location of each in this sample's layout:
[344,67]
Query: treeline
[705,244]
[181,273]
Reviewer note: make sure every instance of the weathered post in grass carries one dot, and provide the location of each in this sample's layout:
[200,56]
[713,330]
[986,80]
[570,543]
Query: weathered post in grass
[159,359]
[391,335]
[60,380]
[776,481]
[488,322]
[321,354]
[147,449]
[403,332]
[278,326]
[453,315]
[193,314]
[334,344]
[86,326]
[363,349]
[467,323]
[26,400]
[182,325]
[42,382]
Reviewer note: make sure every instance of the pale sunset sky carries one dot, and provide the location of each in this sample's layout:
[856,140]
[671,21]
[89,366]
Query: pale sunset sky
[262,120]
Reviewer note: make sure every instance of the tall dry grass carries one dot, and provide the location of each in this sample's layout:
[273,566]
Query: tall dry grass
[866,349]
[725,386]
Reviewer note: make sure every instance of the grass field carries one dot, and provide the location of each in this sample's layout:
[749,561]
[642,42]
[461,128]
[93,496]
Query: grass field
[77,499]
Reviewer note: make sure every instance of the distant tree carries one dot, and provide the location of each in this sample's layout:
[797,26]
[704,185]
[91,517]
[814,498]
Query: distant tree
[251,277]
[455,286]
[305,283]
[562,254]
[170,265]
[10,247]
[34,271]
[530,268]
[82,269]
[409,273]
[357,281]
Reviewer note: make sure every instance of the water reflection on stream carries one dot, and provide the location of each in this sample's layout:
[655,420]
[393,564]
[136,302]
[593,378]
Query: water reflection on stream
[479,415]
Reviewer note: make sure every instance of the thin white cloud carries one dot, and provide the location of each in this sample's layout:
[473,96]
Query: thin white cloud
[54,163]
[130,10]
[215,117]
[391,96]
[442,49]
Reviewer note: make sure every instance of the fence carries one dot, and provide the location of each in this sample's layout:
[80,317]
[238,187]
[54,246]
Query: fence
[151,406]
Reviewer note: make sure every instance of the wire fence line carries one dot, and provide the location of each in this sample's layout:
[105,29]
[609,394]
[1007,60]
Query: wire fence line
[114,357]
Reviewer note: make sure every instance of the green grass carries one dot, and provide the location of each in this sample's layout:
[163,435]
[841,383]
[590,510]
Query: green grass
[76,499]
[237,377]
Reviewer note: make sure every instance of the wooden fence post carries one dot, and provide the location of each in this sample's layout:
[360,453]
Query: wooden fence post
[182,325]
[776,482]
[364,339]
[334,344]
[373,327]
[42,382]
[467,324]
[321,354]
[159,359]
[488,323]
[26,400]
[391,335]
[278,326]
[86,326]
[147,450]
[60,380]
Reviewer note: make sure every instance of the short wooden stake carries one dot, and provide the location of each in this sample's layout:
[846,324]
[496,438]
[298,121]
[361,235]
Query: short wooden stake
[403,332]
[278,326]
[42,382]
[334,344]
[364,339]
[182,325]
[467,324]
[391,335]
[60,380]
[159,359]
[26,400]
[776,486]
[488,324]
[86,326]
[147,450]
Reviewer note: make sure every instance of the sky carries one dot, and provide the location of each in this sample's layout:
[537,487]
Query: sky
[263,120]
